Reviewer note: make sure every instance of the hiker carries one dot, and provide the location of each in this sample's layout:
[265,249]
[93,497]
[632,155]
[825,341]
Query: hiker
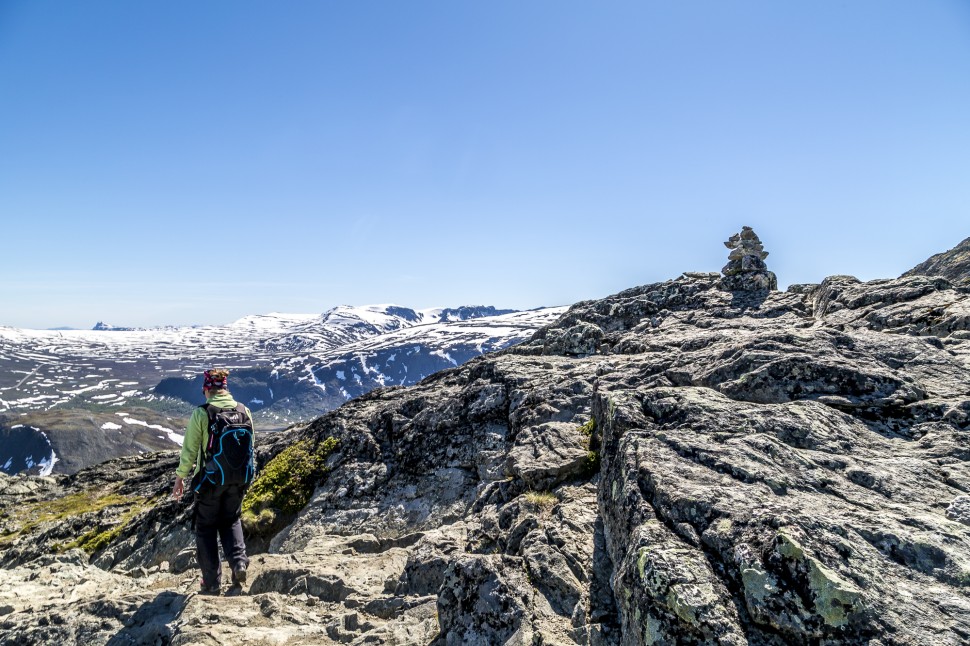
[217,451]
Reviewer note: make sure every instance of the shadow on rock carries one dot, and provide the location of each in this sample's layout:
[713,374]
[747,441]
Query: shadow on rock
[748,300]
[151,623]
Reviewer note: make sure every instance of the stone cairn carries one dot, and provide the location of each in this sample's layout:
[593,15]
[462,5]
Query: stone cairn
[746,269]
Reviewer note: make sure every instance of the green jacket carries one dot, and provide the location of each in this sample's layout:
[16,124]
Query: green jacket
[197,435]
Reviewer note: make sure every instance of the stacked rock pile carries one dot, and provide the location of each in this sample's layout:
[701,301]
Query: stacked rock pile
[746,269]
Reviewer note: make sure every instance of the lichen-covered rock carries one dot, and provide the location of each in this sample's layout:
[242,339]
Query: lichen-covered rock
[772,502]
[582,339]
[483,600]
[959,510]
[680,463]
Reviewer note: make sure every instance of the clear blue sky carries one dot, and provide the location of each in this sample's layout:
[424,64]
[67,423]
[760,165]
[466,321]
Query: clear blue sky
[192,162]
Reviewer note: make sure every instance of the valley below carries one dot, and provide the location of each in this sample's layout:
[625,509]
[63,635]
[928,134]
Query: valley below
[74,398]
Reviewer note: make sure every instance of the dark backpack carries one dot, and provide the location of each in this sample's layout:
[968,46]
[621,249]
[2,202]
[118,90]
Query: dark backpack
[228,456]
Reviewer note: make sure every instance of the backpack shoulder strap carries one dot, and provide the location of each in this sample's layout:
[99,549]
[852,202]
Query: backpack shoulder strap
[211,412]
[242,410]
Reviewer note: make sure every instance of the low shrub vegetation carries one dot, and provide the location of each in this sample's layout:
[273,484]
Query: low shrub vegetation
[543,501]
[101,537]
[25,519]
[284,486]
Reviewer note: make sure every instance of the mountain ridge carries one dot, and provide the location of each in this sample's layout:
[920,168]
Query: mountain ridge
[283,319]
[695,461]
[71,385]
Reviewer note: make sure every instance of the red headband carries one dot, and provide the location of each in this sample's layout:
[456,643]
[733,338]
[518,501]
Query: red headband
[210,383]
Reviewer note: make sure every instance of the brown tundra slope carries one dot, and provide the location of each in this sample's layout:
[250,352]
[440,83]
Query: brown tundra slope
[699,461]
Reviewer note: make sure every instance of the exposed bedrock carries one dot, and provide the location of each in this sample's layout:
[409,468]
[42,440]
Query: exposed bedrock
[680,463]
[750,523]
[953,264]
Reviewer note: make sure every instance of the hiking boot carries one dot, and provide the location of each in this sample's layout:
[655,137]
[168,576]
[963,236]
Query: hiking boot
[210,590]
[235,590]
[239,575]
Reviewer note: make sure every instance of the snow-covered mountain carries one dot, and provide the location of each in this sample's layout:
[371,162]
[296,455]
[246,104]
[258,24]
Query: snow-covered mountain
[130,390]
[406,356]
[351,351]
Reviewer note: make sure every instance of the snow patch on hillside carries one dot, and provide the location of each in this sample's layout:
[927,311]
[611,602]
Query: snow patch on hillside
[178,438]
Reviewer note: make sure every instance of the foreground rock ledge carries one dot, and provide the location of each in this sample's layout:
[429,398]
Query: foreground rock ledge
[675,464]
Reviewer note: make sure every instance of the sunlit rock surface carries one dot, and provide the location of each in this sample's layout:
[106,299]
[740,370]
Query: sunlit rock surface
[680,463]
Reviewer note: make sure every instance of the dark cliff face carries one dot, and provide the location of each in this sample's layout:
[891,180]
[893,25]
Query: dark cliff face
[675,464]
[953,265]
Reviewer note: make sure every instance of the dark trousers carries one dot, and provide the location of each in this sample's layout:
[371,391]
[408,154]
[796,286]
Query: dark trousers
[217,517]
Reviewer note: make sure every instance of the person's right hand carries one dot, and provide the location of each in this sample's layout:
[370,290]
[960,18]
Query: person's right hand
[179,488]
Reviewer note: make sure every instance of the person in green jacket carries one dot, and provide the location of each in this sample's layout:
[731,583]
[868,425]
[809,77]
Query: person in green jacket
[218,506]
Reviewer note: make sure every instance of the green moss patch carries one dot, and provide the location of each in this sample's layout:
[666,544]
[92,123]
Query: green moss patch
[285,485]
[29,517]
[100,537]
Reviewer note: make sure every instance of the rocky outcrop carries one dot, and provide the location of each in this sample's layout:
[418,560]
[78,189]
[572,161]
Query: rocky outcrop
[681,463]
[954,265]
